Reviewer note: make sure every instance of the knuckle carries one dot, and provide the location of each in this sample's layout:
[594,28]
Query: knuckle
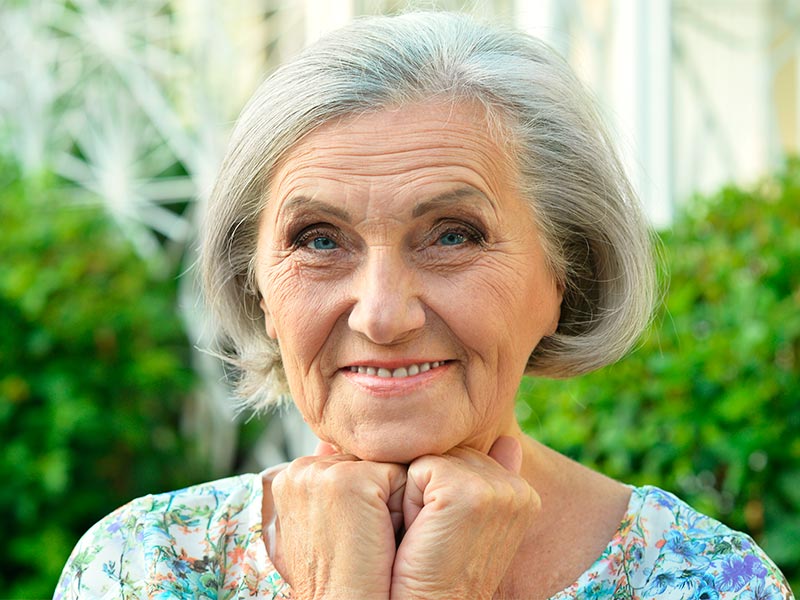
[534,501]
[330,475]
[295,470]
[302,462]
[341,477]
[280,483]
[479,497]
[283,491]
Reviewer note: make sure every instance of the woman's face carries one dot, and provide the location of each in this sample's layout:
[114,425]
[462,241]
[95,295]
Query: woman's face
[405,282]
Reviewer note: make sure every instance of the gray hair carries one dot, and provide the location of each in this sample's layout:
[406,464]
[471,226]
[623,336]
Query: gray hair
[595,236]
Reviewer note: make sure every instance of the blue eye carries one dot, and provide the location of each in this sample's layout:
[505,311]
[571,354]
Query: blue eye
[322,243]
[452,238]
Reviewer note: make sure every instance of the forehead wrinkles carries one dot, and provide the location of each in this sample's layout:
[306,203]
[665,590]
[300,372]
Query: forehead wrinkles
[366,160]
[378,171]
[405,150]
[401,133]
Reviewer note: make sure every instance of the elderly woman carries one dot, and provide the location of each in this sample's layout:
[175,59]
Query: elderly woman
[413,214]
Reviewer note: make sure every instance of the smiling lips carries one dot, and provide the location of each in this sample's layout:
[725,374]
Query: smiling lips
[397,373]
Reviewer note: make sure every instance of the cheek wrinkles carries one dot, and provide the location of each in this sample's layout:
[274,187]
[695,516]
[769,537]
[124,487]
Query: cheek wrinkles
[499,283]
[282,288]
[305,313]
[447,263]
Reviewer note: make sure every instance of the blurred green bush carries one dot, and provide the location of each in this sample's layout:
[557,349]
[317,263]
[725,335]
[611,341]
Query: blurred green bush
[94,370]
[708,406]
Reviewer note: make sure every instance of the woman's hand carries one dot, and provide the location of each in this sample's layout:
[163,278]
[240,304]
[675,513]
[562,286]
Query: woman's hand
[465,516]
[337,521]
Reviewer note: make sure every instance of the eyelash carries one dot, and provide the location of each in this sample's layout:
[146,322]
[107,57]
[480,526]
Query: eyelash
[309,233]
[470,232]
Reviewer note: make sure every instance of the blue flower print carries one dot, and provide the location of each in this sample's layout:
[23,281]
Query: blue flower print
[738,571]
[680,544]
[662,582]
[762,590]
[706,590]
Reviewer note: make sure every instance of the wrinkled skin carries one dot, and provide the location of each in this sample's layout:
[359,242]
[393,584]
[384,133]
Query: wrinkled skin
[449,507]
[393,241]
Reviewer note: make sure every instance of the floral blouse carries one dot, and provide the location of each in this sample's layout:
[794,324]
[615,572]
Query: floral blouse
[205,542]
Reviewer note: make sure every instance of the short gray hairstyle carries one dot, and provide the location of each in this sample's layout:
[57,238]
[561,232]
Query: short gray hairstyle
[597,241]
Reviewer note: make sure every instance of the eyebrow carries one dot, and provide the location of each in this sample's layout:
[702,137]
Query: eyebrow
[448,198]
[305,203]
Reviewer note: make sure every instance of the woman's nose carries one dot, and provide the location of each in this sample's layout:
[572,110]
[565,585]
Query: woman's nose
[387,305]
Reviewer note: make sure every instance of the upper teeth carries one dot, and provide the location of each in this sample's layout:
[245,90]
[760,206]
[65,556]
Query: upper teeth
[398,372]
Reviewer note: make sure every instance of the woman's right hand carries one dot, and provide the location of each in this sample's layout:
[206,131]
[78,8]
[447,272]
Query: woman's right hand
[337,518]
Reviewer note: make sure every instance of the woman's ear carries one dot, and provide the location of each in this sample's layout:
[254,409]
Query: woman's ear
[556,319]
[559,299]
[268,322]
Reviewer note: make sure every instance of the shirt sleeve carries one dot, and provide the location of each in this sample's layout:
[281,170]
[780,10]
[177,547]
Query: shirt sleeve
[717,567]
[199,543]
[104,564]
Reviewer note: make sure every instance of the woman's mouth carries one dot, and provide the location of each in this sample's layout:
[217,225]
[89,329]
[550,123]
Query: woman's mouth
[396,377]
[397,373]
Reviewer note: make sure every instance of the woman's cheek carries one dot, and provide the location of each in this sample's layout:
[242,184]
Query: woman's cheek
[306,308]
[291,297]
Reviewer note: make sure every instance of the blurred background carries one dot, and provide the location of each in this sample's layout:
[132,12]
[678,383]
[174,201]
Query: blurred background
[113,119]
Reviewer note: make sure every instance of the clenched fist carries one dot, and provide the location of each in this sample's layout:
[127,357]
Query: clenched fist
[442,527]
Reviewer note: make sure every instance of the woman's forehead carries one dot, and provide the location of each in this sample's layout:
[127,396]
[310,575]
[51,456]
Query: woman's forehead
[416,144]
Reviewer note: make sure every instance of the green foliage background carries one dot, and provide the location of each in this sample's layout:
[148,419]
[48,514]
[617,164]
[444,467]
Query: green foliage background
[94,374]
[709,405]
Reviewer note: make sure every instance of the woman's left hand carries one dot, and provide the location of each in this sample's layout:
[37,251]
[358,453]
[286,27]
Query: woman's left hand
[465,515]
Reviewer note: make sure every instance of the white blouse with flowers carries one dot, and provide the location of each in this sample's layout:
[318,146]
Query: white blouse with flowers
[205,542]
